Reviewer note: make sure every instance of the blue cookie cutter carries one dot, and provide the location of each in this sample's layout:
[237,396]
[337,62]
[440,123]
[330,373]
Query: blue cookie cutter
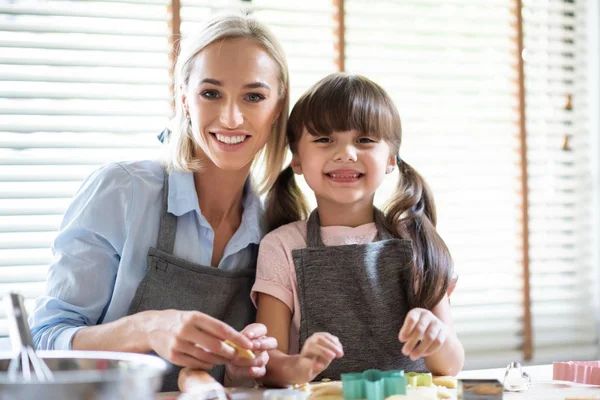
[373,384]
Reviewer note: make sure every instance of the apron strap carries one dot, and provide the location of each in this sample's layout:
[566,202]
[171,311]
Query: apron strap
[313,228]
[168,222]
[382,232]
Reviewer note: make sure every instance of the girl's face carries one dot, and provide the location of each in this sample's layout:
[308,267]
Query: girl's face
[233,101]
[345,168]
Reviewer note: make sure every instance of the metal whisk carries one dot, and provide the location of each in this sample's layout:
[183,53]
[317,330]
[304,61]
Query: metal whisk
[26,363]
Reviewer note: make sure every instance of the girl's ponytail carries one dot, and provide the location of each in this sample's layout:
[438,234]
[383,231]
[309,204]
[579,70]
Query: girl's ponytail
[285,202]
[412,215]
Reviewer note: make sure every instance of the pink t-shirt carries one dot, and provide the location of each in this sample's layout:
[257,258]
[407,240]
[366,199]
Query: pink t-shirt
[275,270]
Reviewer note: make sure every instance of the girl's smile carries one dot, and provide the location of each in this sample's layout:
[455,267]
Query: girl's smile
[344,175]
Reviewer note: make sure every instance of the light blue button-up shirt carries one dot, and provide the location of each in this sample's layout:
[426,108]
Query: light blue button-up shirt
[100,252]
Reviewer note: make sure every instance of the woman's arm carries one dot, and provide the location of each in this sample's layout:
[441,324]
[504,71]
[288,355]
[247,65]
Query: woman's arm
[172,334]
[86,256]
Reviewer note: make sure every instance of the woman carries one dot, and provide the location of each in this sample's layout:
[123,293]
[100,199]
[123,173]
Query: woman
[160,257]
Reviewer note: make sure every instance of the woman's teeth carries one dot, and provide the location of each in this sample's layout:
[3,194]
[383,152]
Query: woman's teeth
[230,139]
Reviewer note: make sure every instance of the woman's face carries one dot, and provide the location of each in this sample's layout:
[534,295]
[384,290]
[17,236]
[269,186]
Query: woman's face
[233,101]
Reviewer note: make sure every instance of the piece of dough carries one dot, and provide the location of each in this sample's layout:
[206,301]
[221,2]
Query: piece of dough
[245,353]
[449,382]
[325,390]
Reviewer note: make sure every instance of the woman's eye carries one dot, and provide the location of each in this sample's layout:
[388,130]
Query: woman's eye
[210,94]
[255,97]
[366,140]
[322,140]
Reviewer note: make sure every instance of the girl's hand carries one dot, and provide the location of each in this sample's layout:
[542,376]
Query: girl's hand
[243,368]
[193,339]
[316,355]
[422,333]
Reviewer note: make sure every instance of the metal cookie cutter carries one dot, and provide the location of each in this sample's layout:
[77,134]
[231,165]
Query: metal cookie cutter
[515,379]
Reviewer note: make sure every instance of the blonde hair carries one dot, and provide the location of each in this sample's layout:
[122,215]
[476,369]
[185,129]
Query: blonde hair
[180,154]
[341,102]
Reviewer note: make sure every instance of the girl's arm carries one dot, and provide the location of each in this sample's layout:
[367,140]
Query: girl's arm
[449,359]
[430,334]
[277,317]
[283,369]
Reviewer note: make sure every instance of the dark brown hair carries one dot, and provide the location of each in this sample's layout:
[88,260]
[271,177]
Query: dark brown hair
[342,102]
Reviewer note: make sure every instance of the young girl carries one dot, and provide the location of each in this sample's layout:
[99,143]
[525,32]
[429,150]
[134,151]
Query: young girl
[352,288]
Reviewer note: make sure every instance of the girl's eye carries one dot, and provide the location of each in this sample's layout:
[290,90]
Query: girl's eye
[254,97]
[322,140]
[210,94]
[366,140]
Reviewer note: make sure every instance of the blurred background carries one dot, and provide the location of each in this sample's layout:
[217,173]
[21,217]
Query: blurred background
[499,101]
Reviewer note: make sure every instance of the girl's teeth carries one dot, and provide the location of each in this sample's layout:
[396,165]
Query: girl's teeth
[344,176]
[230,139]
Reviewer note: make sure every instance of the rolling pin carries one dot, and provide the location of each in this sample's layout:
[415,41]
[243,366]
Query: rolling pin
[200,385]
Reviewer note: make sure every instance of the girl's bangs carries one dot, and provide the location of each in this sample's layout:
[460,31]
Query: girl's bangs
[342,103]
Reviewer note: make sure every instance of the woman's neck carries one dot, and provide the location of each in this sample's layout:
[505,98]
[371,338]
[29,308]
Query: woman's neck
[220,193]
[352,215]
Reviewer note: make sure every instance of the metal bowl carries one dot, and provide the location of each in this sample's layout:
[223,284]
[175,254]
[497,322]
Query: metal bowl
[88,375]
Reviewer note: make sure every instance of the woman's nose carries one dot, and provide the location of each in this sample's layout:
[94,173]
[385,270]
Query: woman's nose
[231,116]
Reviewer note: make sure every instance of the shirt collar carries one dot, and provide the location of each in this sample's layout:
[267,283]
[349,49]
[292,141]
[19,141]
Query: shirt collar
[183,199]
[182,193]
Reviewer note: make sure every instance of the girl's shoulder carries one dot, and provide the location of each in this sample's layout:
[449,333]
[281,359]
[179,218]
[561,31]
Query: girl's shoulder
[291,236]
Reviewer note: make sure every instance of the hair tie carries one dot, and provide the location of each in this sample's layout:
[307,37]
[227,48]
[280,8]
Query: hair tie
[398,159]
[163,136]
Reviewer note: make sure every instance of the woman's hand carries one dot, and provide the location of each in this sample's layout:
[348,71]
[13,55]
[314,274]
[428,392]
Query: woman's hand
[193,339]
[317,353]
[422,333]
[243,368]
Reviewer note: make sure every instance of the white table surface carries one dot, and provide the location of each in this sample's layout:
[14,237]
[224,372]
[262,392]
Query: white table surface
[542,388]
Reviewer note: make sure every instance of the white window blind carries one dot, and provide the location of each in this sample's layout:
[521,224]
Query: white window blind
[81,84]
[451,68]
[305,30]
[559,179]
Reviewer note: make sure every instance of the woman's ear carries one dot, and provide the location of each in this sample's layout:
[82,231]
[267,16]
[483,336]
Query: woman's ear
[277,112]
[296,165]
[184,101]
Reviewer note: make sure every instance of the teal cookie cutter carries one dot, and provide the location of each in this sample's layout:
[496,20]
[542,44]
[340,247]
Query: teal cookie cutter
[373,384]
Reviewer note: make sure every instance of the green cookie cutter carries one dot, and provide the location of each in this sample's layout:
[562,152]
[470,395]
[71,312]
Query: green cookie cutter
[419,379]
[373,384]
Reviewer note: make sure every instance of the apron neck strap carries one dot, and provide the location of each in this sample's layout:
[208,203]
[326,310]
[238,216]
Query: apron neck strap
[168,222]
[313,228]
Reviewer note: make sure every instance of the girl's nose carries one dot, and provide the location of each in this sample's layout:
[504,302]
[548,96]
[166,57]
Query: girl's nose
[345,154]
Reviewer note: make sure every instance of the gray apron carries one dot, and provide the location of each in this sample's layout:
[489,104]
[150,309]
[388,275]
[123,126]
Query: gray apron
[174,283]
[357,293]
